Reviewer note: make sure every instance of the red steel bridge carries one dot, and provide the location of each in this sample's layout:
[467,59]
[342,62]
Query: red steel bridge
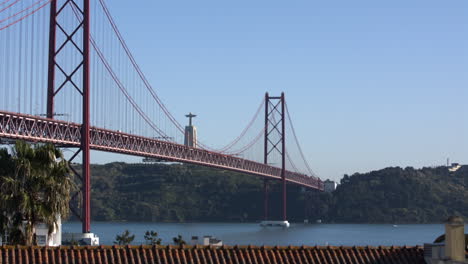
[76,84]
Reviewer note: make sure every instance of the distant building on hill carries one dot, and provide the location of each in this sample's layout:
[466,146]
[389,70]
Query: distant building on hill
[329,186]
[454,167]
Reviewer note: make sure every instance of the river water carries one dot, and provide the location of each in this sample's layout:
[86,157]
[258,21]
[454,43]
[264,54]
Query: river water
[253,234]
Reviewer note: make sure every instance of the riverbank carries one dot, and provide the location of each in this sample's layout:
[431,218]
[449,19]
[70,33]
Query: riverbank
[253,234]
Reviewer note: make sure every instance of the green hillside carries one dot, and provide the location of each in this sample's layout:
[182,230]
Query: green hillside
[395,195]
[187,193]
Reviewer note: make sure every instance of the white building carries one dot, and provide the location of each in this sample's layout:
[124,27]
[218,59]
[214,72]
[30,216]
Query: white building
[42,234]
[207,241]
[454,167]
[82,239]
[43,238]
[329,186]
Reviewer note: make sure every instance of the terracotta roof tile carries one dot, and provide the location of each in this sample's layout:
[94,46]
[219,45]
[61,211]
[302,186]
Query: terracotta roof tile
[202,254]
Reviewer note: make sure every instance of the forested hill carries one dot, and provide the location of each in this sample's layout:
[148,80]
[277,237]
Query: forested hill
[187,193]
[396,195]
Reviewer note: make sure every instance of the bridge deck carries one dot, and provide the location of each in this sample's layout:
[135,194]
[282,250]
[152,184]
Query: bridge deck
[37,129]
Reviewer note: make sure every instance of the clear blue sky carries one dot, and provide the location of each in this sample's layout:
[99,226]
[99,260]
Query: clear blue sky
[370,83]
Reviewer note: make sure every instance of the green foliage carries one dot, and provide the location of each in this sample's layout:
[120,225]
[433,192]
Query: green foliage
[173,193]
[184,193]
[34,187]
[396,195]
[178,240]
[151,238]
[124,239]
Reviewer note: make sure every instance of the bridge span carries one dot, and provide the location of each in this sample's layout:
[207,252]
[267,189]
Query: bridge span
[37,129]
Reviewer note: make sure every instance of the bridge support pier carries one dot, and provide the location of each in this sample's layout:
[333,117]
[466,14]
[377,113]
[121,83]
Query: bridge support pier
[56,60]
[85,136]
[275,135]
[265,199]
[283,155]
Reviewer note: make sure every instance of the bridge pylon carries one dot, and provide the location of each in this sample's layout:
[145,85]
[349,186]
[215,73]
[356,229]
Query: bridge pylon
[59,61]
[275,143]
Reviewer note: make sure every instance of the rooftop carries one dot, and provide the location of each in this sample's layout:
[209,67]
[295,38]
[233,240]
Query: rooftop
[208,254]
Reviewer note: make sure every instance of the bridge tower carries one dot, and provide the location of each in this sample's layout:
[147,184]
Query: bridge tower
[274,142]
[76,77]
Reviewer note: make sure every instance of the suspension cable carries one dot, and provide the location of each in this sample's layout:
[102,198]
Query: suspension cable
[120,85]
[297,142]
[10,5]
[22,11]
[141,74]
[137,67]
[125,92]
[292,163]
[4,2]
[236,140]
[25,16]
[250,144]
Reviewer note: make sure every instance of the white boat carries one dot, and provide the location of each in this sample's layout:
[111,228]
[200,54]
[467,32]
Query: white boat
[271,223]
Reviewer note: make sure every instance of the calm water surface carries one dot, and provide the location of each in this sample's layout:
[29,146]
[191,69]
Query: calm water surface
[253,234]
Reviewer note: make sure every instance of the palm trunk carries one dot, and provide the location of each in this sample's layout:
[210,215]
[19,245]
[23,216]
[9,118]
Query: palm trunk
[29,232]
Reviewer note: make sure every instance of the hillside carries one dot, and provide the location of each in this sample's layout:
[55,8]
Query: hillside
[187,193]
[175,193]
[396,195]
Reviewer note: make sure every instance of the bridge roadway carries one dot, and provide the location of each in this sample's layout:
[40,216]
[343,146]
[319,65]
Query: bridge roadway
[38,129]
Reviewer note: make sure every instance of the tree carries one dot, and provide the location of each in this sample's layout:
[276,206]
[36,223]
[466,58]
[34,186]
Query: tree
[124,239]
[151,238]
[35,187]
[6,168]
[179,240]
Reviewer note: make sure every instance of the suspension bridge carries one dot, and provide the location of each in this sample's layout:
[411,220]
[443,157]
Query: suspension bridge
[67,77]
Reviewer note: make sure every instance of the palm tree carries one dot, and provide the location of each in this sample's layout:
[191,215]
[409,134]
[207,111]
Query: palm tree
[178,240]
[35,187]
[124,239]
[6,168]
[152,238]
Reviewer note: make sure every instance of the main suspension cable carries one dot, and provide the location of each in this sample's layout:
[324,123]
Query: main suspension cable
[250,144]
[119,84]
[22,11]
[249,125]
[137,67]
[25,16]
[297,142]
[10,5]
